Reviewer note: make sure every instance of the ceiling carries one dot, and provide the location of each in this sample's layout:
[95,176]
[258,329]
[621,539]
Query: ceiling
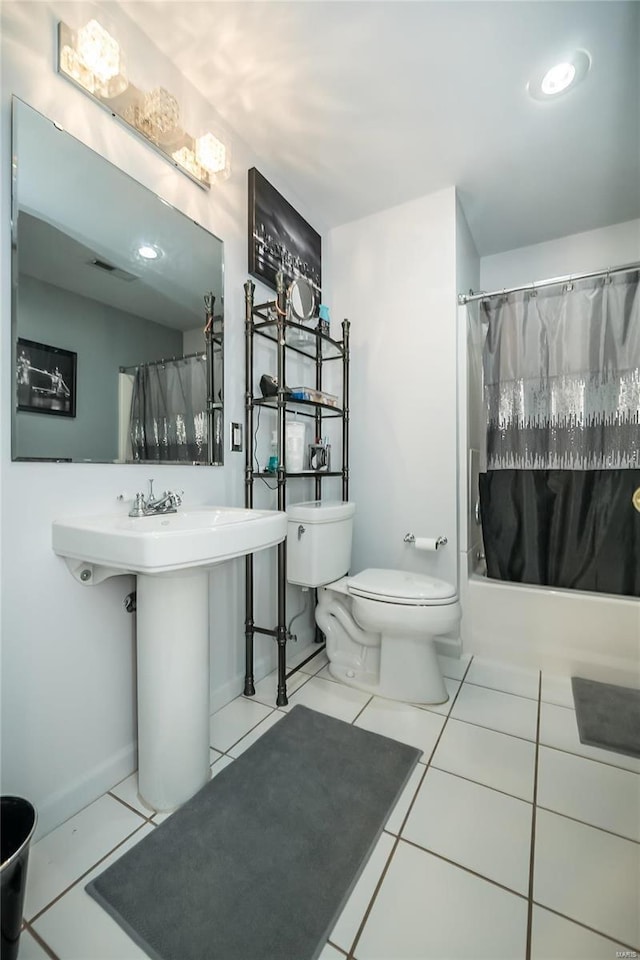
[364,104]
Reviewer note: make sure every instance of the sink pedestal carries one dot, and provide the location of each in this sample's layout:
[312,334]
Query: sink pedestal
[173,687]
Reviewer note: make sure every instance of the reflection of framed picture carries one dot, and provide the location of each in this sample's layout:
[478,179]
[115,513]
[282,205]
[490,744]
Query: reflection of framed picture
[279,238]
[45,379]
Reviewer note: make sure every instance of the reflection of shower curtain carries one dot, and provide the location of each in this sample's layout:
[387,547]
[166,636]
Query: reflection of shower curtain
[169,411]
[562,402]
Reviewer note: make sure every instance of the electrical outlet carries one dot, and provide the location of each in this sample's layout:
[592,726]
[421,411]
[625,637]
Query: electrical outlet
[236,437]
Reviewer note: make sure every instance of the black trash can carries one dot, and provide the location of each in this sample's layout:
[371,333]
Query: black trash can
[17,823]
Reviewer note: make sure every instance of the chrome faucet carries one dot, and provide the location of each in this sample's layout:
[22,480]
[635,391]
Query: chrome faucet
[151,506]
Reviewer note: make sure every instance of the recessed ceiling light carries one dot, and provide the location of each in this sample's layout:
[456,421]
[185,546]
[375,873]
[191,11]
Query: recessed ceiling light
[148,252]
[561,77]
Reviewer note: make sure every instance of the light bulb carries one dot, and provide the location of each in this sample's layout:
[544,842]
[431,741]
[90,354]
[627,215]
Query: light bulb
[558,78]
[211,153]
[98,51]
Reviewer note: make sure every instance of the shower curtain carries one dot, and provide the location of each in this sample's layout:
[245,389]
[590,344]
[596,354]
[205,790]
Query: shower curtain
[169,411]
[561,369]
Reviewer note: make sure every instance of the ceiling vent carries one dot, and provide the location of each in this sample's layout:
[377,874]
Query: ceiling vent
[111,270]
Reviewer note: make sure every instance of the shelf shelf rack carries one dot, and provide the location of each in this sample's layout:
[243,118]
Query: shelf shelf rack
[271,320]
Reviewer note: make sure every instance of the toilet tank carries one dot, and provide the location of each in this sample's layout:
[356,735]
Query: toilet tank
[319,534]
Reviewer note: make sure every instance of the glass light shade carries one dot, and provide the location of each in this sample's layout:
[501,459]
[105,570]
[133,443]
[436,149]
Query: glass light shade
[186,158]
[75,68]
[558,79]
[159,114]
[211,153]
[98,51]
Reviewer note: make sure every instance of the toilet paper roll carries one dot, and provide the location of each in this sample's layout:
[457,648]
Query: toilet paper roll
[427,543]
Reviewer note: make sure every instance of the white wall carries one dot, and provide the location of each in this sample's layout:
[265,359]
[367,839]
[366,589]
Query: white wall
[394,278]
[68,677]
[578,253]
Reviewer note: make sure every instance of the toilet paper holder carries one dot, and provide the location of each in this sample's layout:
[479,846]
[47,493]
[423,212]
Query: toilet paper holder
[411,538]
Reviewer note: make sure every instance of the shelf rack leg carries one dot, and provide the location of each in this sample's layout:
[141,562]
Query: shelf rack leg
[281,634]
[249,686]
[282,700]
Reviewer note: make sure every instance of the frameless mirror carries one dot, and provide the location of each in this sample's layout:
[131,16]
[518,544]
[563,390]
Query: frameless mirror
[117,312]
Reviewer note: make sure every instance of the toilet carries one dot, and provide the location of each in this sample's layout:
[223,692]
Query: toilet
[380,625]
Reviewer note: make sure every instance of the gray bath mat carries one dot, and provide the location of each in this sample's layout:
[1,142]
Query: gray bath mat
[608,716]
[260,862]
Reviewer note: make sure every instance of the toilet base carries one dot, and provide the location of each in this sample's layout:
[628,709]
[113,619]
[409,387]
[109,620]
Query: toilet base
[424,686]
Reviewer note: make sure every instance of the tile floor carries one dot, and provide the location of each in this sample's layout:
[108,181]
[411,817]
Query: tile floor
[511,840]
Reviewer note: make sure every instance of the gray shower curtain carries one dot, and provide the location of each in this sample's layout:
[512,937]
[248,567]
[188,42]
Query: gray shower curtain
[169,411]
[561,369]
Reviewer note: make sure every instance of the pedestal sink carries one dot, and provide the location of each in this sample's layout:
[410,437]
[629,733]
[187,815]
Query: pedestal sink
[171,555]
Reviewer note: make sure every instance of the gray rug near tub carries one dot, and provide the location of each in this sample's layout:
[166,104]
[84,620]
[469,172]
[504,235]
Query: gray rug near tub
[608,716]
[259,863]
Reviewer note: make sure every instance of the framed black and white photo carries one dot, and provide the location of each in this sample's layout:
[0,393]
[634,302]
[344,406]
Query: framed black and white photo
[279,238]
[45,378]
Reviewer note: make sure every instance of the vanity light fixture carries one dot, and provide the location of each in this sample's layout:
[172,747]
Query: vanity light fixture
[92,59]
[561,77]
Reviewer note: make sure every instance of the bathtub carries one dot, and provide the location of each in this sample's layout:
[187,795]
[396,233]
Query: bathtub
[565,632]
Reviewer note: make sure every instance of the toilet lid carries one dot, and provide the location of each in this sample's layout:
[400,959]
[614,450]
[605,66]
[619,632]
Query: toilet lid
[401,586]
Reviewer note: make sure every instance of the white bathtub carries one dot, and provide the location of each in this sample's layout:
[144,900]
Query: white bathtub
[567,632]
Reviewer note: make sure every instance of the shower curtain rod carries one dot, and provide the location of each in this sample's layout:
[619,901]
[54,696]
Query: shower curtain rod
[154,363]
[570,278]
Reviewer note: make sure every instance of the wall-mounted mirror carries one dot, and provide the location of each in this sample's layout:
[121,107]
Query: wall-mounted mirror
[117,312]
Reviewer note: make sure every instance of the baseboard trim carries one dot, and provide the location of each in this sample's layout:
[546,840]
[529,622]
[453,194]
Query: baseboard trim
[66,803]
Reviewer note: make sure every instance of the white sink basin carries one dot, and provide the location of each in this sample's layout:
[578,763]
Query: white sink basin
[198,537]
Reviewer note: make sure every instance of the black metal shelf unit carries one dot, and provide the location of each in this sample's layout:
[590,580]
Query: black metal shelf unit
[270,320]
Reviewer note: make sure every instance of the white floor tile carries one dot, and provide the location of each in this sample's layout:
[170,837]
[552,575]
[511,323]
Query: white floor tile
[452,667]
[127,790]
[401,721]
[313,666]
[428,909]
[348,923]
[499,711]
[325,674]
[77,928]
[335,699]
[67,852]
[596,793]
[444,709]
[267,688]
[589,876]
[558,728]
[233,721]
[399,812]
[330,953]
[494,759]
[553,937]
[30,949]
[557,689]
[214,756]
[479,828]
[504,677]
[255,734]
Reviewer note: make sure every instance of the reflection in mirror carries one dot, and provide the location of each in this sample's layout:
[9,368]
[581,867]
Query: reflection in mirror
[114,285]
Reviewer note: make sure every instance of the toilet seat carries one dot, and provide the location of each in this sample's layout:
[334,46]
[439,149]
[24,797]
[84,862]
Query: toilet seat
[402,587]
